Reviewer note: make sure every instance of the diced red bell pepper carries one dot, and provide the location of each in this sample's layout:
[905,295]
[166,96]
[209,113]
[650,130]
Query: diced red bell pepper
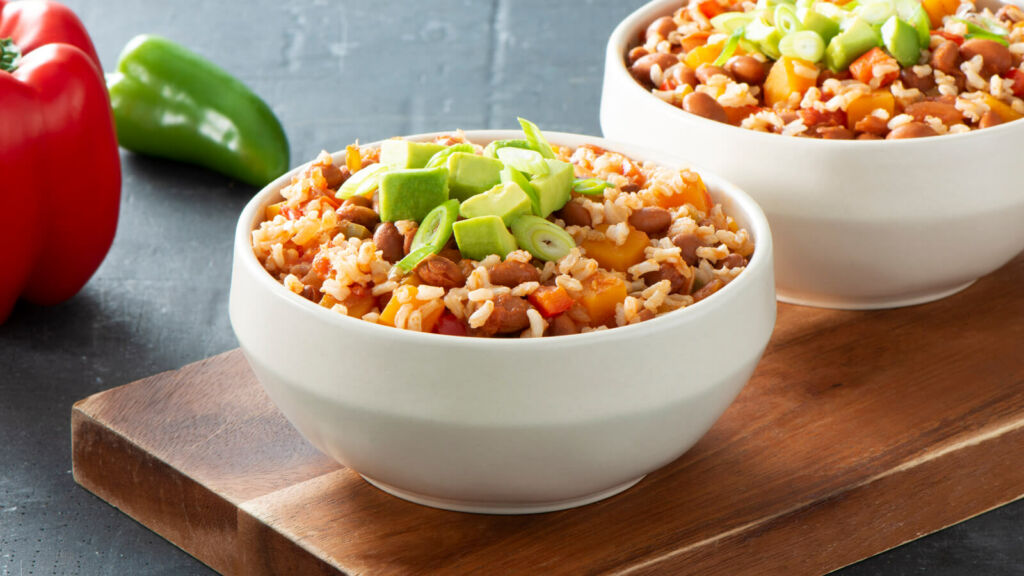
[1018,82]
[948,36]
[450,325]
[863,68]
[59,160]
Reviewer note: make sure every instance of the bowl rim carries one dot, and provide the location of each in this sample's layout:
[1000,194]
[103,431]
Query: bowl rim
[616,70]
[760,263]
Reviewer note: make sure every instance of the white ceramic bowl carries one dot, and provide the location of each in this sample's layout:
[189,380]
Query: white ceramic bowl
[857,224]
[499,425]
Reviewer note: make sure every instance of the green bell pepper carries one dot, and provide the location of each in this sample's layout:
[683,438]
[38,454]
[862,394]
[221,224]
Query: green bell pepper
[172,103]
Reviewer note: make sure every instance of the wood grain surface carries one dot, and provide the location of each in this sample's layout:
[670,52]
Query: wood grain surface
[858,432]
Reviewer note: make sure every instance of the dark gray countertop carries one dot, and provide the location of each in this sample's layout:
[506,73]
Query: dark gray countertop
[333,72]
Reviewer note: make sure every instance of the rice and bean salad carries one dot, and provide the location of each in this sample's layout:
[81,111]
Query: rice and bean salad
[863,69]
[600,241]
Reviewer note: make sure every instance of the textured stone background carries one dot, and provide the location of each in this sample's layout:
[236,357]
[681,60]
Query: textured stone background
[333,72]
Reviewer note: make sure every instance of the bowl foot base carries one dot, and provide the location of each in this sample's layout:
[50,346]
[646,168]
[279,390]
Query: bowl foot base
[478,507]
[881,303]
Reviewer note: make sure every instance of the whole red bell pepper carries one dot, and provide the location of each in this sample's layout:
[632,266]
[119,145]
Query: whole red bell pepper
[60,172]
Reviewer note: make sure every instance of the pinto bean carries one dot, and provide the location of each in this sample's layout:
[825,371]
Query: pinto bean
[389,241]
[946,57]
[509,316]
[660,28]
[990,119]
[746,69]
[410,227]
[688,244]
[334,176]
[677,282]
[995,58]
[651,219]
[835,133]
[707,290]
[731,261]
[358,201]
[911,130]
[911,80]
[439,271]
[636,53]
[452,254]
[705,106]
[641,69]
[562,325]
[869,136]
[707,71]
[872,124]
[358,215]
[512,273]
[947,113]
[574,214]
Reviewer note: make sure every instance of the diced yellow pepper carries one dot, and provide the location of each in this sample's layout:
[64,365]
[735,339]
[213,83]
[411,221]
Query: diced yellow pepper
[602,292]
[705,54]
[788,76]
[428,321]
[274,209]
[613,256]
[868,103]
[1005,111]
[937,9]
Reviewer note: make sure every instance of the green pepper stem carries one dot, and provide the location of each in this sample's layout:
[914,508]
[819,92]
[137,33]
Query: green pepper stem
[10,54]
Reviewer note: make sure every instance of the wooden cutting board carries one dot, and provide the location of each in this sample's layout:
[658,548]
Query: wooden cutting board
[859,431]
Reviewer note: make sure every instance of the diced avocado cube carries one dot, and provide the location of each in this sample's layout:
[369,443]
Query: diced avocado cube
[510,175]
[407,154]
[482,236]
[857,39]
[470,174]
[553,189]
[506,201]
[825,27]
[901,41]
[411,194]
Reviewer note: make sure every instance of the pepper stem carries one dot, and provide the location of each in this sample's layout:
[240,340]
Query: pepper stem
[10,55]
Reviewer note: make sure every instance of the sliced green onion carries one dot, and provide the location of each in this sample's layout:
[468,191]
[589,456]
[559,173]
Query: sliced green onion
[975,31]
[415,257]
[589,186]
[440,158]
[758,30]
[491,151]
[529,161]
[729,22]
[785,19]
[832,12]
[804,44]
[536,138]
[876,13]
[729,49]
[363,182]
[987,36]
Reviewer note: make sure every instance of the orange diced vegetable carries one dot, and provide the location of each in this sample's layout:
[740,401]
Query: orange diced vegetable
[868,103]
[863,68]
[788,76]
[601,293]
[550,300]
[274,209]
[428,321]
[614,257]
[937,9]
[694,192]
[1002,108]
[694,40]
[710,8]
[353,161]
[705,54]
